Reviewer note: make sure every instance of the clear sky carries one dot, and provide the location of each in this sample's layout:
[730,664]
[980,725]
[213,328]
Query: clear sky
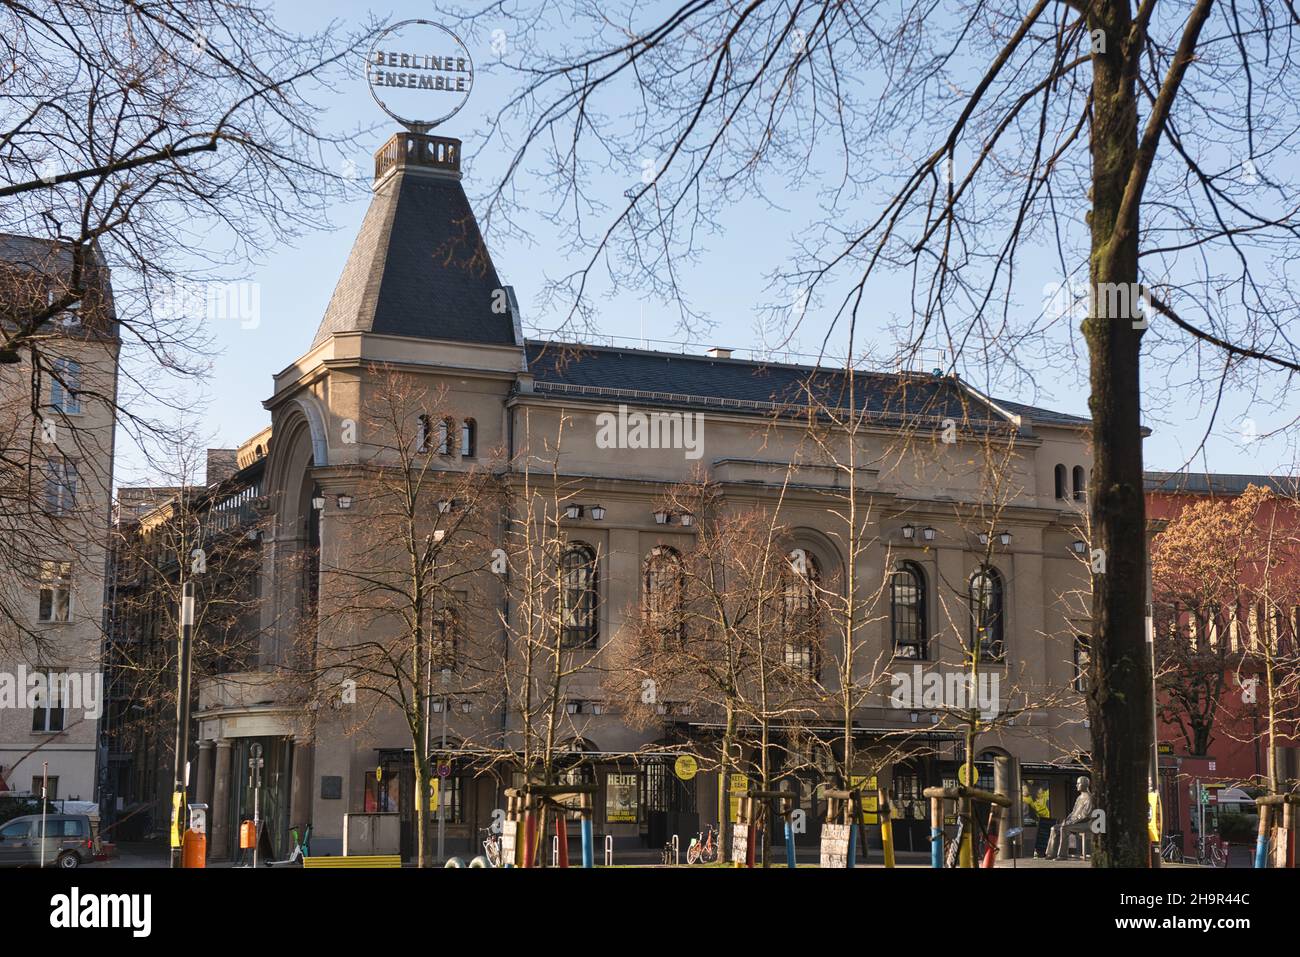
[728,284]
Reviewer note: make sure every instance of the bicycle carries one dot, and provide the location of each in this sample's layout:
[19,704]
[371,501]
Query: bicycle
[702,849]
[1172,850]
[666,855]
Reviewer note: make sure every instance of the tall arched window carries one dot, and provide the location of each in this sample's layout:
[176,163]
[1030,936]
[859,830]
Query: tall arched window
[1080,483]
[1060,483]
[578,596]
[986,617]
[801,612]
[664,588]
[424,433]
[468,439]
[446,428]
[907,611]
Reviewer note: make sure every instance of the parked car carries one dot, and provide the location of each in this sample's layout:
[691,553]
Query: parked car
[69,841]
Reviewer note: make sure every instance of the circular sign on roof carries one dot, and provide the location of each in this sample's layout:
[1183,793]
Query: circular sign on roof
[420,73]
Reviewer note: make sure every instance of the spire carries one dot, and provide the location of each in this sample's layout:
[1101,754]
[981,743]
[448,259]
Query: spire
[418,266]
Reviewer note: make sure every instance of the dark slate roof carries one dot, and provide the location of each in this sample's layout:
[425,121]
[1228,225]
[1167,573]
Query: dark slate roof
[418,268]
[687,380]
[1199,483]
[52,258]
[1043,416]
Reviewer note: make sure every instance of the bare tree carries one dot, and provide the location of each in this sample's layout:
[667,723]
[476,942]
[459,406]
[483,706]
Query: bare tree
[1088,128]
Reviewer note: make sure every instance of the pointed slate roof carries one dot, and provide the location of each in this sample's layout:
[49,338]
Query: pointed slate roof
[419,266]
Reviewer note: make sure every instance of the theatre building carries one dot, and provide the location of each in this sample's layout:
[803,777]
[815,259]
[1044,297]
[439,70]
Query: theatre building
[964,502]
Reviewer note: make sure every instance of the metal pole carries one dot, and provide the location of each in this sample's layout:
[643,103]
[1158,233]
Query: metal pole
[45,789]
[1155,735]
[442,803]
[428,703]
[182,712]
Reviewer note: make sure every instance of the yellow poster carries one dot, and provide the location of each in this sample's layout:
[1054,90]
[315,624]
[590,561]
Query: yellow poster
[739,785]
[177,799]
[866,786]
[434,787]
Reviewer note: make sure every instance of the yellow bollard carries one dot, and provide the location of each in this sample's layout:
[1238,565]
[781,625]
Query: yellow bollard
[886,828]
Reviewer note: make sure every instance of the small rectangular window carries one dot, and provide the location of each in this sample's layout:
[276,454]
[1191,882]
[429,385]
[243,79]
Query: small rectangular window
[60,486]
[47,716]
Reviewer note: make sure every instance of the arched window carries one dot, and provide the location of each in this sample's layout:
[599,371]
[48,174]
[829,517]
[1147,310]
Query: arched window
[1082,662]
[1060,482]
[801,612]
[468,439]
[1080,483]
[987,620]
[444,639]
[907,611]
[578,596]
[663,593]
[423,434]
[446,428]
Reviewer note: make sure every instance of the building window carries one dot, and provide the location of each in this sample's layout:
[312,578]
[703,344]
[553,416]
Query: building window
[907,611]
[578,596]
[51,794]
[468,439]
[986,605]
[449,802]
[423,434]
[664,588]
[801,612]
[446,427]
[1060,483]
[65,386]
[1080,483]
[1082,662]
[60,486]
[47,716]
[444,638]
[56,591]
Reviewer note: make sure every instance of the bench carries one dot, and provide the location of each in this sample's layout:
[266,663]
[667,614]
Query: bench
[360,860]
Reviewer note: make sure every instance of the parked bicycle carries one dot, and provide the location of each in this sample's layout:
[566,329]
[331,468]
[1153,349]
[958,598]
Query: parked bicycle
[703,848]
[1172,850]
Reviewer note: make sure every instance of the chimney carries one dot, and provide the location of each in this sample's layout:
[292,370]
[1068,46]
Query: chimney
[418,152]
[221,465]
[719,352]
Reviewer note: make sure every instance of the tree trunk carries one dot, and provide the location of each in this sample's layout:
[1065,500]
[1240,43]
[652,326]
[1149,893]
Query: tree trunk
[1120,695]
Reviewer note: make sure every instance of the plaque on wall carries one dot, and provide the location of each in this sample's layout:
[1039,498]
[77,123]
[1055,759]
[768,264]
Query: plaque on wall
[835,845]
[331,787]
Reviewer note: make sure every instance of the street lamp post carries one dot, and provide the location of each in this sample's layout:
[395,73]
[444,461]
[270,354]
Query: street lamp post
[442,798]
[182,770]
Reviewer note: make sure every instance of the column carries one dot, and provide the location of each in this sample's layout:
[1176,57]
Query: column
[300,795]
[218,831]
[202,793]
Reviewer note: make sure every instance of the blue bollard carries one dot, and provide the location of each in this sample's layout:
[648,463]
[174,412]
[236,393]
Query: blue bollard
[588,851]
[789,843]
[936,847]
[853,847]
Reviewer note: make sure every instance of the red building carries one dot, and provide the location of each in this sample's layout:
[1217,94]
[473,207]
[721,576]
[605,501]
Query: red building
[1235,754]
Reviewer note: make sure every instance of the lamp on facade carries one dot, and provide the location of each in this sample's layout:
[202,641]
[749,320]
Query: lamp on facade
[436,706]
[444,506]
[597,708]
[318,503]
[984,538]
[464,707]
[344,500]
[927,533]
[598,513]
[573,511]
[661,517]
[687,519]
[439,534]
[572,707]
[1079,546]
[1004,538]
[909,531]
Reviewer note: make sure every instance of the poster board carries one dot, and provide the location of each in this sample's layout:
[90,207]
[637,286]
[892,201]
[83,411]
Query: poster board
[739,843]
[835,845]
[509,842]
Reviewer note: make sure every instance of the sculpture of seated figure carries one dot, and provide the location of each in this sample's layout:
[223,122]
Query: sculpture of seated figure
[1079,822]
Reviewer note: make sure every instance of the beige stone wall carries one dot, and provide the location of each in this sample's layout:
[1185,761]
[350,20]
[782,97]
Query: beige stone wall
[80,538]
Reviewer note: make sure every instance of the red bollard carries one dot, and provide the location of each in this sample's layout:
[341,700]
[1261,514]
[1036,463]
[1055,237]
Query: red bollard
[991,849]
[530,836]
[562,835]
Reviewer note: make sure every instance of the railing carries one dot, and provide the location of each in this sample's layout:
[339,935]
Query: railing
[418,149]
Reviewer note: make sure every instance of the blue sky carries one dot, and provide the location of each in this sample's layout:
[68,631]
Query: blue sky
[728,284]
